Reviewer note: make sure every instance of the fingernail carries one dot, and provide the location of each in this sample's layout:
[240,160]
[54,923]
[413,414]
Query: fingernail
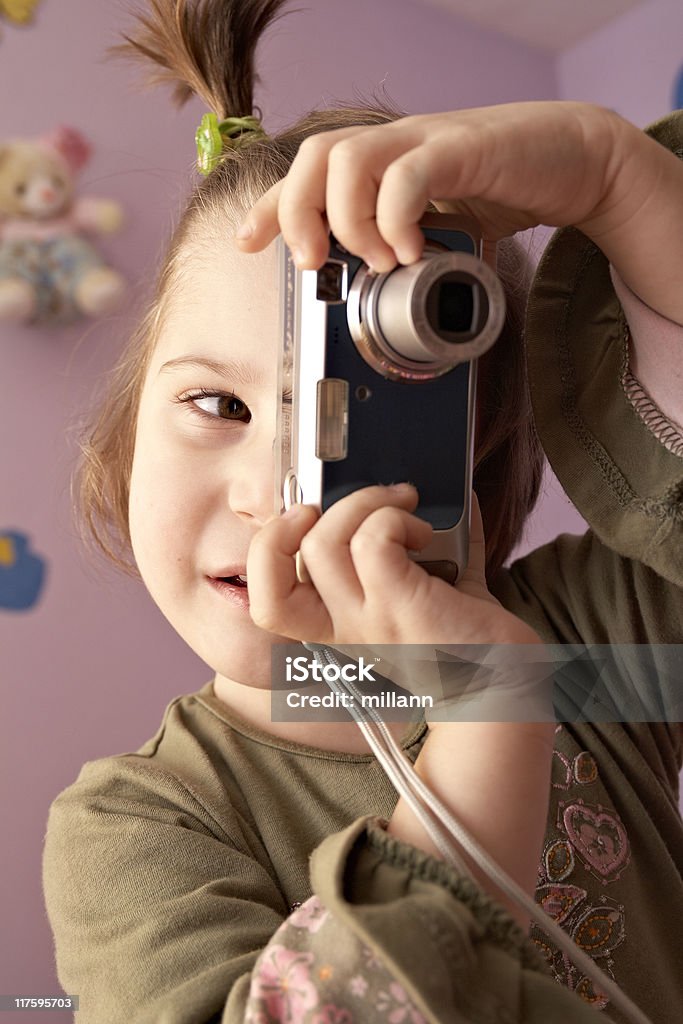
[298,255]
[244,231]
[404,255]
[380,263]
[402,487]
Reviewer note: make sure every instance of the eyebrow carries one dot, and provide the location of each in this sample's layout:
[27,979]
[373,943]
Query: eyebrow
[236,370]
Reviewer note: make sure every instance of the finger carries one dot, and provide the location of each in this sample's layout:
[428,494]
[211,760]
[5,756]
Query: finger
[380,181]
[476,560]
[261,225]
[336,172]
[356,168]
[404,191]
[379,549]
[302,202]
[326,548]
[278,602]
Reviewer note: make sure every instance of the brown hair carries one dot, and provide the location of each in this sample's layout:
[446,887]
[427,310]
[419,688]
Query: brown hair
[208,47]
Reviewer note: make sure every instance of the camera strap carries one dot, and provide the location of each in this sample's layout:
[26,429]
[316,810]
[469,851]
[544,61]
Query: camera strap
[451,837]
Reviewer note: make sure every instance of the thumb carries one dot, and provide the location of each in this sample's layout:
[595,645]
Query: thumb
[476,562]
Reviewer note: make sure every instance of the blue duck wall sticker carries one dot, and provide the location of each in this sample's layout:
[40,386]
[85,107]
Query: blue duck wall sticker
[22,572]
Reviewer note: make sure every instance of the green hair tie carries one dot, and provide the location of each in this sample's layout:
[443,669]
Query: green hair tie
[213,136]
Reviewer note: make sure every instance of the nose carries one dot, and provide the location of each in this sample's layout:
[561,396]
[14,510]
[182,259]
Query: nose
[252,485]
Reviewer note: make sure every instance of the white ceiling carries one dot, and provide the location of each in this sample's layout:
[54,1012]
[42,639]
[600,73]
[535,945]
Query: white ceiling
[551,25]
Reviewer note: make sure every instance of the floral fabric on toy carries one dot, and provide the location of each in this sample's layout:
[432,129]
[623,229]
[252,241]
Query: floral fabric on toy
[53,268]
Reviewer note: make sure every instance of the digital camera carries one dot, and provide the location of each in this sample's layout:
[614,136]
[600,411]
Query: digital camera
[377,379]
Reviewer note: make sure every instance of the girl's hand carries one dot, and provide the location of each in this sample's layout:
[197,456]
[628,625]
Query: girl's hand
[364,588]
[367,597]
[511,167]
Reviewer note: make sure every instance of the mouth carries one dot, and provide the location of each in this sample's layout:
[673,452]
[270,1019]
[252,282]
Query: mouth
[232,589]
[235,581]
[233,586]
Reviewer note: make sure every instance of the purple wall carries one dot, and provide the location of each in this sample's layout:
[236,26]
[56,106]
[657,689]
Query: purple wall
[88,671]
[630,65]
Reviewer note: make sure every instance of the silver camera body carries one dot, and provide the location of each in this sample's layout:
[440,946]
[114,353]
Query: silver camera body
[377,379]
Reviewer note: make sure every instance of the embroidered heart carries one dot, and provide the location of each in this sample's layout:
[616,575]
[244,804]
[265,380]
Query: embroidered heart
[599,838]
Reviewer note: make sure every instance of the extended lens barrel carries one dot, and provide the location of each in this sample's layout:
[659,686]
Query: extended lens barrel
[419,321]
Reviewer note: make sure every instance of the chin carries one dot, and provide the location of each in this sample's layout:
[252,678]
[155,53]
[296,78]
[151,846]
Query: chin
[231,645]
[242,655]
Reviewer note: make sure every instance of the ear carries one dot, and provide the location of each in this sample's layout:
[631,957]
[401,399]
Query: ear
[71,146]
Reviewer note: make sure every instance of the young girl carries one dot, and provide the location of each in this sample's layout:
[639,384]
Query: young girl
[238,868]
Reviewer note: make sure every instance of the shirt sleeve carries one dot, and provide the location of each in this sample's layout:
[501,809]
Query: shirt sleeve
[157,914]
[448,952]
[159,917]
[651,372]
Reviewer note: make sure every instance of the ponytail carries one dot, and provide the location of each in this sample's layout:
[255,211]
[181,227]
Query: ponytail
[203,47]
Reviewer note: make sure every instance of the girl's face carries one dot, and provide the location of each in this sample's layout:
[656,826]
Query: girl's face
[202,481]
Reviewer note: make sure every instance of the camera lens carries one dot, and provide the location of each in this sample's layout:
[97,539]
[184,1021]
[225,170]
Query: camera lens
[419,321]
[450,308]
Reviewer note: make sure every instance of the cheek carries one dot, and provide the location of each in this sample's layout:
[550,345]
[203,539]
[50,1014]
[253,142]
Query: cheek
[161,513]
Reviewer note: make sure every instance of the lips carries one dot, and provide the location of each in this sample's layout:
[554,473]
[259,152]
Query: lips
[235,581]
[235,575]
[232,585]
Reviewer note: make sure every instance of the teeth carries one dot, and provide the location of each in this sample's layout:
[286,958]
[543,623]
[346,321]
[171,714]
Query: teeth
[243,578]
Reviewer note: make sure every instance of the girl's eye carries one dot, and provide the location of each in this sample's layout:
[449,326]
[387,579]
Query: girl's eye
[218,405]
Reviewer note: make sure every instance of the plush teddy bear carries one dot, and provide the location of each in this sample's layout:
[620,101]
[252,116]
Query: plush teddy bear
[49,272]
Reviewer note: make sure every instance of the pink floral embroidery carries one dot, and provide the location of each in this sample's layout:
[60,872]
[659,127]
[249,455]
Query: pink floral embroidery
[591,837]
[281,980]
[404,1010]
[358,986]
[310,915]
[331,1014]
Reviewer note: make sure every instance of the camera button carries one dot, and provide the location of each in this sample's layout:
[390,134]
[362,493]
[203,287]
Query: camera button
[333,282]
